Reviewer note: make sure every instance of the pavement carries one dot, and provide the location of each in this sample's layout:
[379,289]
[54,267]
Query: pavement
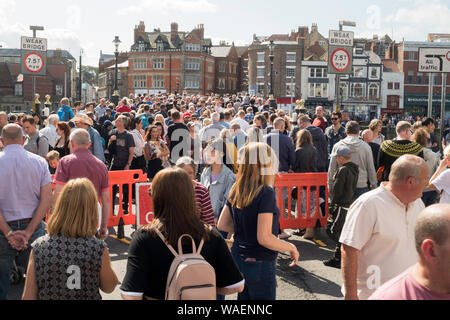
[308,280]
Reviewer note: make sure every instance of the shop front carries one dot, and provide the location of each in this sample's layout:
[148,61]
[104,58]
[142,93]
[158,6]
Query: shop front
[416,104]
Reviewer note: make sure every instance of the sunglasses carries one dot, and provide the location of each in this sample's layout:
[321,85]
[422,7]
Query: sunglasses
[334,119]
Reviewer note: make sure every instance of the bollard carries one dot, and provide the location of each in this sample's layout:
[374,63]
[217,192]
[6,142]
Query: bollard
[120,229]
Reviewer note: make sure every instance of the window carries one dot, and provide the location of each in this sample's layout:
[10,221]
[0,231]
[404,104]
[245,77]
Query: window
[358,90]
[411,55]
[18,89]
[436,79]
[141,46]
[261,87]
[192,64]
[390,85]
[290,89]
[393,102]
[59,90]
[245,63]
[191,82]
[322,43]
[410,76]
[291,57]
[158,81]
[359,72]
[221,84]
[397,86]
[374,91]
[419,77]
[260,72]
[318,90]
[290,72]
[318,73]
[210,67]
[222,67]
[261,56]
[374,73]
[140,63]
[140,81]
[158,63]
[344,91]
[192,46]
[160,46]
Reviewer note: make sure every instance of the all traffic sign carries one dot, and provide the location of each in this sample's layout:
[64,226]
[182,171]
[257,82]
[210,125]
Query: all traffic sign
[340,60]
[436,60]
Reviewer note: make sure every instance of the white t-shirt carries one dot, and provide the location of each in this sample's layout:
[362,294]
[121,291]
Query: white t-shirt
[442,183]
[382,229]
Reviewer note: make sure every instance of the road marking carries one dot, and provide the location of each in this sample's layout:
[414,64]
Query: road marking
[121,240]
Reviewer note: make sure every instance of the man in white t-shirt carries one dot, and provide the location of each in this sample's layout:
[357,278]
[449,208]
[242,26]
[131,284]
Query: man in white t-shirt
[378,235]
[440,181]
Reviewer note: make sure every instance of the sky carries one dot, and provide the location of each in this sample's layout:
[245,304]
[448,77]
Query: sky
[93,24]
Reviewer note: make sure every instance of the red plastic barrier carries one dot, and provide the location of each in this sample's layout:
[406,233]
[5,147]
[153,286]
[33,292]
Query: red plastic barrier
[308,185]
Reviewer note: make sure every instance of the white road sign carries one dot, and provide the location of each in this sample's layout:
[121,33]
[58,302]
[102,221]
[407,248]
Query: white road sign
[436,60]
[34,62]
[33,44]
[341,38]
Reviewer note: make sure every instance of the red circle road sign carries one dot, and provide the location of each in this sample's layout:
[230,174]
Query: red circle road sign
[34,62]
[448,56]
[340,60]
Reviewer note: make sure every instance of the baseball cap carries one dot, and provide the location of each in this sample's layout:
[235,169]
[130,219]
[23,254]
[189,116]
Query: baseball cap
[342,151]
[82,118]
[186,115]
[107,123]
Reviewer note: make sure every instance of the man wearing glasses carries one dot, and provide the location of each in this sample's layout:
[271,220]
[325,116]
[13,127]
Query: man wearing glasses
[335,132]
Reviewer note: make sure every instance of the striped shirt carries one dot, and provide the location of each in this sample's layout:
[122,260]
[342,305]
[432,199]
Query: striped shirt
[204,206]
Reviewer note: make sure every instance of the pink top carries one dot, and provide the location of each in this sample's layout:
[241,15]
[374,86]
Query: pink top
[406,287]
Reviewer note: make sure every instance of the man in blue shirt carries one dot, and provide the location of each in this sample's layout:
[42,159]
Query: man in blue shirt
[84,122]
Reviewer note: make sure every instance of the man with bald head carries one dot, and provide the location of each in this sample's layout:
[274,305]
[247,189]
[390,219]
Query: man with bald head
[429,278]
[25,198]
[367,137]
[81,163]
[378,235]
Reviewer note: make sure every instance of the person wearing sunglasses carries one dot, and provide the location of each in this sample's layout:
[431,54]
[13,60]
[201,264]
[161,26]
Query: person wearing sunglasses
[335,132]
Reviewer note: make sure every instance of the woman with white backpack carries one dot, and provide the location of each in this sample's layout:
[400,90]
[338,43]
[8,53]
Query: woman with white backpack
[159,249]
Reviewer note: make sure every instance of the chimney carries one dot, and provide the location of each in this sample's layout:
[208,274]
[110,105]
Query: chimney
[201,28]
[139,30]
[303,32]
[173,32]
[314,28]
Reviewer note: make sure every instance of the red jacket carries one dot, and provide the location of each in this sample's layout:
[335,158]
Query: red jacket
[123,109]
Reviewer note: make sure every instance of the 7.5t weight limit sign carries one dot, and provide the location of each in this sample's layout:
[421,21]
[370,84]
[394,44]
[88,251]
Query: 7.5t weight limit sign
[34,62]
[340,60]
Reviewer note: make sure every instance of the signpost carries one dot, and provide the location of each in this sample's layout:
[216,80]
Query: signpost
[436,60]
[34,58]
[144,205]
[340,56]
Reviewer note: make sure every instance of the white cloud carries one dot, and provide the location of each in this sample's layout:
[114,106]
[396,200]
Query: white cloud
[169,7]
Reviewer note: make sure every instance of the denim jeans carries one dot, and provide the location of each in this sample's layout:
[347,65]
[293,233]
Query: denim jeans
[260,278]
[359,192]
[8,255]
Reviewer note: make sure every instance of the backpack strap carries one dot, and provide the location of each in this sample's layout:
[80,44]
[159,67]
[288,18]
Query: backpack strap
[165,242]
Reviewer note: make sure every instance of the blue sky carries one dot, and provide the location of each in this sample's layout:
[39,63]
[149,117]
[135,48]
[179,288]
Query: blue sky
[93,24]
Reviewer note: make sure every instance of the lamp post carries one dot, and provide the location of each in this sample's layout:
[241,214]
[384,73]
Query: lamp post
[115,96]
[273,103]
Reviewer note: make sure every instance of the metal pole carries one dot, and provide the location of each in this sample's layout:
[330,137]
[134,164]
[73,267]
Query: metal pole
[430,95]
[338,92]
[80,81]
[444,95]
[33,79]
[170,73]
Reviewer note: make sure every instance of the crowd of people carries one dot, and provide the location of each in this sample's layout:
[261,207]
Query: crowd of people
[212,161]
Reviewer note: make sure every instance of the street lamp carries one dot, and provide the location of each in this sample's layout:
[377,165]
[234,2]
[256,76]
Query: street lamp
[273,103]
[115,96]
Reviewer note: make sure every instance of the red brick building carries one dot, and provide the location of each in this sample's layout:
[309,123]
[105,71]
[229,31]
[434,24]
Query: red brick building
[227,66]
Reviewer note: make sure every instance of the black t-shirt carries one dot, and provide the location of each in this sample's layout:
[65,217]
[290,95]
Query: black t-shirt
[178,133]
[149,261]
[246,226]
[123,143]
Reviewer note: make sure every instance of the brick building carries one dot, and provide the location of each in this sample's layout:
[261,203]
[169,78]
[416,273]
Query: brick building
[170,61]
[106,75]
[242,52]
[227,64]
[16,89]
[406,56]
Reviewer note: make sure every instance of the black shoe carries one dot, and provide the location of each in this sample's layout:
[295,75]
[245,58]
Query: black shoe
[333,263]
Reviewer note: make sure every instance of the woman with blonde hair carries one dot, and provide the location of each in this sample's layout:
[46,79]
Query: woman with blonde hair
[252,215]
[69,263]
[149,258]
[376,125]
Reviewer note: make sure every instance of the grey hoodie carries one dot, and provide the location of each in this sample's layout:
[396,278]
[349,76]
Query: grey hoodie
[361,156]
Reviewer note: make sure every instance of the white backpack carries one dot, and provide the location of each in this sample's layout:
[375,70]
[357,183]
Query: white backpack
[190,277]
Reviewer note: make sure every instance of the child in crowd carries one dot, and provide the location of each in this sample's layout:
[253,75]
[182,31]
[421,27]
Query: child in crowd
[345,180]
[52,159]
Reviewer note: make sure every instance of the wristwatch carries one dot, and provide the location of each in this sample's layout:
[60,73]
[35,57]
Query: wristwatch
[9,233]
